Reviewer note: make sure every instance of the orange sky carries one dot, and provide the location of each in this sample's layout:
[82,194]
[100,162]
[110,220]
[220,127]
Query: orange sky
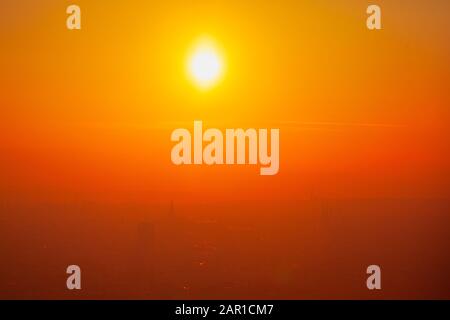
[86,115]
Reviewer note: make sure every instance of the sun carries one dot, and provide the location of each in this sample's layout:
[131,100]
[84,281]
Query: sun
[205,64]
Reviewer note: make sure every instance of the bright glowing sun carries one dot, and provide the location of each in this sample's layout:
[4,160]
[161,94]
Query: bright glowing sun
[205,64]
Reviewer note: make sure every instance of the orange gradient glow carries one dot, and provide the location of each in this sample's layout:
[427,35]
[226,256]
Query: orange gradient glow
[86,176]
